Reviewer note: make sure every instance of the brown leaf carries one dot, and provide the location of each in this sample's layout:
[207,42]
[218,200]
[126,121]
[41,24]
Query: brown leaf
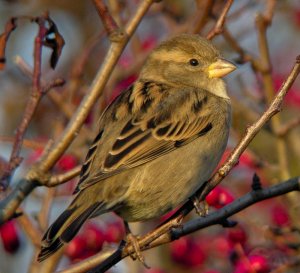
[9,27]
[55,41]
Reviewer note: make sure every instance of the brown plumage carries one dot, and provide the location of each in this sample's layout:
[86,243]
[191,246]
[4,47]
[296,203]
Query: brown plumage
[157,143]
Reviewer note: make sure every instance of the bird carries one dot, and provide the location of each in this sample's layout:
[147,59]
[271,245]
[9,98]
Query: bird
[157,143]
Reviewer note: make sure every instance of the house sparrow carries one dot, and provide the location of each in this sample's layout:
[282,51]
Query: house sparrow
[157,143]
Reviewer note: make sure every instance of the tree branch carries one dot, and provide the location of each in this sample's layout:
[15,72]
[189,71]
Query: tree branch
[108,21]
[218,28]
[31,106]
[252,130]
[38,174]
[150,239]
[214,218]
[285,129]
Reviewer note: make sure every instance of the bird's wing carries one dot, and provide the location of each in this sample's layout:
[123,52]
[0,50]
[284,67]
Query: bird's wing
[144,123]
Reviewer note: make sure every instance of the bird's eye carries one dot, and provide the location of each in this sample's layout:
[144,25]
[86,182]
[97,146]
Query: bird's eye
[194,62]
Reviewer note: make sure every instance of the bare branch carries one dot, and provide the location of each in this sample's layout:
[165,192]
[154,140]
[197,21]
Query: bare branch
[151,240]
[218,28]
[108,21]
[285,129]
[33,232]
[38,174]
[62,178]
[34,99]
[148,241]
[252,130]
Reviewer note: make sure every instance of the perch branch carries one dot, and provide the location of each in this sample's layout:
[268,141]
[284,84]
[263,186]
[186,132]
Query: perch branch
[145,242]
[217,217]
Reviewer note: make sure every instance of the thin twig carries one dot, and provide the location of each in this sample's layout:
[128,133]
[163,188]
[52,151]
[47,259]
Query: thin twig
[207,10]
[285,129]
[108,21]
[39,173]
[262,24]
[223,171]
[218,28]
[55,97]
[33,232]
[34,99]
[62,178]
[252,130]
[43,216]
[27,143]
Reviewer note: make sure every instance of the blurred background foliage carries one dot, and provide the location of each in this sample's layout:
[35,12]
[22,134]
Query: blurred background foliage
[266,238]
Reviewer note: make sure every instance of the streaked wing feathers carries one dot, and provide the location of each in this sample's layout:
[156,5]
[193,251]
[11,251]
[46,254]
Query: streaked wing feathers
[148,134]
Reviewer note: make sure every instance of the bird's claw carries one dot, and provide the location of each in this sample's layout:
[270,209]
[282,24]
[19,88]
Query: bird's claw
[201,208]
[137,254]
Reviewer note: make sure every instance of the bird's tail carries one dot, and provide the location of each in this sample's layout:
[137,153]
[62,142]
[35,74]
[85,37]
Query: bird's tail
[66,227]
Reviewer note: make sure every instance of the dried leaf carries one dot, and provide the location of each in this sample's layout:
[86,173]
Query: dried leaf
[55,41]
[9,27]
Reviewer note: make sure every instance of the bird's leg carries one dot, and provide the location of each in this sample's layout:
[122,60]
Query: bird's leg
[133,240]
[201,208]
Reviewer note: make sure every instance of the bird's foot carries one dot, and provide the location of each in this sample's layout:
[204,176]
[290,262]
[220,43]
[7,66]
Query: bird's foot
[137,254]
[201,208]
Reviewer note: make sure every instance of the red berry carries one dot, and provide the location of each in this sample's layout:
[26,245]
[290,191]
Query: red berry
[149,43]
[34,156]
[76,248]
[212,271]
[179,248]
[212,198]
[94,236]
[114,232]
[280,216]
[66,162]
[187,252]
[246,160]
[219,197]
[255,263]
[259,263]
[220,246]
[9,236]
[195,255]
[237,235]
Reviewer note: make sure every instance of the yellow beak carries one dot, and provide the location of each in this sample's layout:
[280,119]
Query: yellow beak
[220,68]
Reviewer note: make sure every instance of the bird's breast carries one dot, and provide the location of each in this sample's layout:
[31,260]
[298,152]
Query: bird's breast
[166,182]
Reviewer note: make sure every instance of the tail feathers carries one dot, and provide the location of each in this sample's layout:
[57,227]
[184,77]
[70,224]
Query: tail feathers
[64,229]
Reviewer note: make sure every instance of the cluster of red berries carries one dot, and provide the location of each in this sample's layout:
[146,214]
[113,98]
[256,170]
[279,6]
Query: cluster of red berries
[91,239]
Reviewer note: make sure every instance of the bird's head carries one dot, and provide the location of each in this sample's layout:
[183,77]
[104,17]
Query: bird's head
[188,60]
